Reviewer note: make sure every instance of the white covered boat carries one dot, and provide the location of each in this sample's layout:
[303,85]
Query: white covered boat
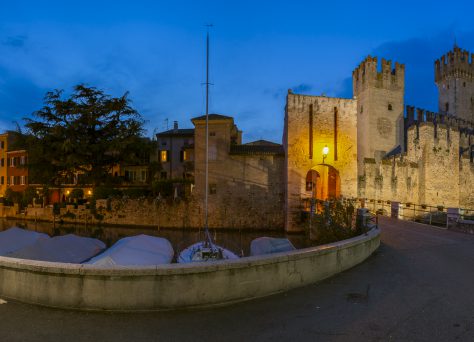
[67,248]
[269,245]
[139,250]
[14,239]
[205,251]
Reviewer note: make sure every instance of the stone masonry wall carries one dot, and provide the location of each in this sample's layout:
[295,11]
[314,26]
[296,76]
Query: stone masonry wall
[303,146]
[429,173]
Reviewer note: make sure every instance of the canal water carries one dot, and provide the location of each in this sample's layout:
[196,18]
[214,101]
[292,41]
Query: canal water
[234,240]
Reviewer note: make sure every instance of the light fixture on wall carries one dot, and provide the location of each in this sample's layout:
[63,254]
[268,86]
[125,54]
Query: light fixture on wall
[325,152]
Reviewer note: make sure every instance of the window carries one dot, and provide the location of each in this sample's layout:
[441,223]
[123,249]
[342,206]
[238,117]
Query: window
[464,84]
[12,180]
[2,162]
[2,180]
[164,156]
[212,189]
[143,176]
[22,160]
[163,175]
[22,180]
[447,107]
[390,106]
[12,162]
[212,134]
[2,145]
[183,155]
[361,109]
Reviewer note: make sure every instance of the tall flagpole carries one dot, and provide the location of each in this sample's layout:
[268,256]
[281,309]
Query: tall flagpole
[207,131]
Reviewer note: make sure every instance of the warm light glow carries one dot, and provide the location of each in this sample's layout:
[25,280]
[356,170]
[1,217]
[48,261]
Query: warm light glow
[89,192]
[325,150]
[164,156]
[67,192]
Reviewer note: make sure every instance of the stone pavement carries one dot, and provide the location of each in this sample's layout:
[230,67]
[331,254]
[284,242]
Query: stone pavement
[419,286]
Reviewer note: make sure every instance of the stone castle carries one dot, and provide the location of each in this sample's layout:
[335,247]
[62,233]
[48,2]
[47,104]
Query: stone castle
[378,150]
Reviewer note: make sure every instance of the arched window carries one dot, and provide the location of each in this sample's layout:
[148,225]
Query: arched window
[390,106]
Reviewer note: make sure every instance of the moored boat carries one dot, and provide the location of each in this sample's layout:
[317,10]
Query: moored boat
[269,245]
[205,251]
[14,239]
[67,248]
[139,250]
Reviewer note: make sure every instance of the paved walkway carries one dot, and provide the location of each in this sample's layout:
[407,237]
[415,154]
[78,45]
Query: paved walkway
[419,286]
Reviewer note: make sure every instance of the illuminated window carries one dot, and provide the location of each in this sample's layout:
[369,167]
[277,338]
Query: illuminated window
[183,156]
[164,156]
[22,180]
[12,180]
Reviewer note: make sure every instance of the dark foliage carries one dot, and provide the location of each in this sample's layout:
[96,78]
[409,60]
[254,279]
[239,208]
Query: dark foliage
[89,132]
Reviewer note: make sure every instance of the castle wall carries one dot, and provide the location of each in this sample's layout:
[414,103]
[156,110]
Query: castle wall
[466,183]
[309,127]
[428,173]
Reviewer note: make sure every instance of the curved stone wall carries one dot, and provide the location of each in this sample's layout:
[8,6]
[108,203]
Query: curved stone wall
[173,286]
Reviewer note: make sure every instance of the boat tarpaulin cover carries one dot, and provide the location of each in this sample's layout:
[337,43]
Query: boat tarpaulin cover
[16,238]
[269,245]
[136,250]
[67,248]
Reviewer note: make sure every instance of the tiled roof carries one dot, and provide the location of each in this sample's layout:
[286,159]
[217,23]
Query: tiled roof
[262,143]
[176,132]
[257,149]
[213,117]
[394,152]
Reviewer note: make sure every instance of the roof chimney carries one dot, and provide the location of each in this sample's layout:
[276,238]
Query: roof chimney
[175,125]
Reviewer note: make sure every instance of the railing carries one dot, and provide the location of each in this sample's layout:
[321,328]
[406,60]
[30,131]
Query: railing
[423,213]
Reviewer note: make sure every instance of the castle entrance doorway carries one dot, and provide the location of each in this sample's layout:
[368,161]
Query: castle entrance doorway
[323,182]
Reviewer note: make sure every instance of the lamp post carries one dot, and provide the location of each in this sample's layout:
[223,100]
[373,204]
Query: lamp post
[325,152]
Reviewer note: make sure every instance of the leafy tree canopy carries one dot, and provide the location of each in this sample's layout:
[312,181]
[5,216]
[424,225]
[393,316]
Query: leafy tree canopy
[89,132]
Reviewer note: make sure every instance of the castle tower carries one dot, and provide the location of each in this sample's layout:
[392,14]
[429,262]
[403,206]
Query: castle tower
[380,108]
[454,77]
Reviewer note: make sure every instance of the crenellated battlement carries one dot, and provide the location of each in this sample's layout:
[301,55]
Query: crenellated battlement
[415,116]
[458,63]
[368,74]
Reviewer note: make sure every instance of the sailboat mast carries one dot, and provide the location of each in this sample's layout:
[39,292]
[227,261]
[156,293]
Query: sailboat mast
[207,131]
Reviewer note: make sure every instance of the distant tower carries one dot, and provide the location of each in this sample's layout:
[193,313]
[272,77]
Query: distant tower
[379,107]
[454,73]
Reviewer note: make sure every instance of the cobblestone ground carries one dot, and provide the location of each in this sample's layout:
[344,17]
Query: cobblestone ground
[419,286]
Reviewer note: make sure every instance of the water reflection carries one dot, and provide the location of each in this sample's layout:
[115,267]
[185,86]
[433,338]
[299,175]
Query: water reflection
[236,241]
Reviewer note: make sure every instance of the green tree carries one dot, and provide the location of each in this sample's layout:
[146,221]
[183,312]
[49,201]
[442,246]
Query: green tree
[89,132]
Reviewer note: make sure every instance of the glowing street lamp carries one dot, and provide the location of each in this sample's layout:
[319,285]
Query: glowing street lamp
[325,152]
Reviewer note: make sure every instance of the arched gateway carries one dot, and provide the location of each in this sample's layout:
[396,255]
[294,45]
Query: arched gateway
[323,182]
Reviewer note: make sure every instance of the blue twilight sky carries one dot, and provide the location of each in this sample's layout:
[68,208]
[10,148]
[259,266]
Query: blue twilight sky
[259,49]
